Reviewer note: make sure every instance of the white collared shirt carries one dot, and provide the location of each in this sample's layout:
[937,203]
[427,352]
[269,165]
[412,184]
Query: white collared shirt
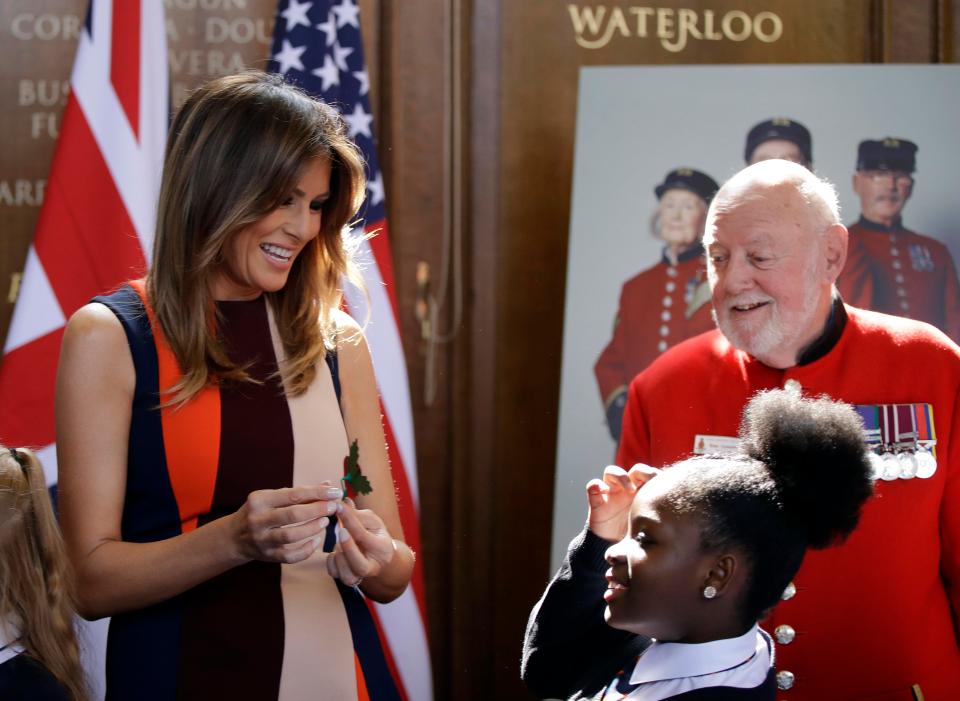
[9,641]
[668,669]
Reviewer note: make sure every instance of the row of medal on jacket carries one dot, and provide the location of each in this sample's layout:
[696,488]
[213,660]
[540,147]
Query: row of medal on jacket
[903,460]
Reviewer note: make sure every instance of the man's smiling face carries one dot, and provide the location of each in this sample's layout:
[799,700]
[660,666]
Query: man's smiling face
[766,265]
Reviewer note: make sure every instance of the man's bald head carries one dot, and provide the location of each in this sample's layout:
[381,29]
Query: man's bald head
[760,179]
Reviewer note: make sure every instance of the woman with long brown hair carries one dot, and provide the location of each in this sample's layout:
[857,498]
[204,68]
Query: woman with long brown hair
[39,657]
[201,498]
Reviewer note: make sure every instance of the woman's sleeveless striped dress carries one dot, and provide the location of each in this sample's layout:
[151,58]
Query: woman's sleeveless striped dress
[261,630]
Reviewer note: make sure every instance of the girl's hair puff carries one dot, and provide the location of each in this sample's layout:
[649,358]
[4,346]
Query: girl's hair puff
[800,480]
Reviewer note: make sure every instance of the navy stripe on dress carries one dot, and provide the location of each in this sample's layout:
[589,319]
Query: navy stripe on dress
[140,645]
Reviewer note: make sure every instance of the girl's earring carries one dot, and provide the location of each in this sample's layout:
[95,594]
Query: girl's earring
[709,592]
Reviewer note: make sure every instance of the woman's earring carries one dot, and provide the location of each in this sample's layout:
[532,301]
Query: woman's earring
[709,592]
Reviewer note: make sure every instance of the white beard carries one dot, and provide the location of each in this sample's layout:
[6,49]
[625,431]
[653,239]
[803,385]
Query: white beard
[777,331]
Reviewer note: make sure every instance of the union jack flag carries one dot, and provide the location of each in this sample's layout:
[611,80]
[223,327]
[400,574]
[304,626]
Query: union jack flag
[96,224]
[317,45]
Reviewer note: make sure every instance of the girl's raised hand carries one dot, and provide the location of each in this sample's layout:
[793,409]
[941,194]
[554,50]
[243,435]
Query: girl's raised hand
[609,499]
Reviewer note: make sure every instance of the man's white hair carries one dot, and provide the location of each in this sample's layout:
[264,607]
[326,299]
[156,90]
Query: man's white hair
[817,193]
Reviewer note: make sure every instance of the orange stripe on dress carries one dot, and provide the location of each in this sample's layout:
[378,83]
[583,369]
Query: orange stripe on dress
[362,693]
[191,432]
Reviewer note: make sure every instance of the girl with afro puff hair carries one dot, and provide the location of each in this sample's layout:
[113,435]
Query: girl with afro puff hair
[696,554]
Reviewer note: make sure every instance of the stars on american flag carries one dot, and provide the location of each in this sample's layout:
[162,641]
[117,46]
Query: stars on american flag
[335,54]
[328,73]
[329,28]
[318,46]
[359,122]
[296,13]
[364,81]
[289,56]
[340,54]
[375,188]
[347,13]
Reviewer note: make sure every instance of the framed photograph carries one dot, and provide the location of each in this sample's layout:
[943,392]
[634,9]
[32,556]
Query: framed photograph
[637,124]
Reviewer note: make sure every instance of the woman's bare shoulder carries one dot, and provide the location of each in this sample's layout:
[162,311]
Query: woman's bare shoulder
[95,334]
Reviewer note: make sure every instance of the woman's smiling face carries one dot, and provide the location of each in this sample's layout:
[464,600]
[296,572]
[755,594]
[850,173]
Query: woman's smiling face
[259,256]
[657,572]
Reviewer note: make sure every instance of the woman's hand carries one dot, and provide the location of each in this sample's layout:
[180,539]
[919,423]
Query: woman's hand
[609,499]
[365,547]
[285,525]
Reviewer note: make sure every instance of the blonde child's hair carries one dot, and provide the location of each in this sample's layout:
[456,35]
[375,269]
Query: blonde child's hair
[36,590]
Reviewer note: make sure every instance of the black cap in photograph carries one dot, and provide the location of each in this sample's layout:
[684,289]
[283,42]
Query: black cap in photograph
[688,179]
[779,128]
[887,154]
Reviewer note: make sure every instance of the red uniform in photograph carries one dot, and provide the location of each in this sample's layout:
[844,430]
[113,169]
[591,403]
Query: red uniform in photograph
[664,304]
[897,271]
[659,308]
[877,617]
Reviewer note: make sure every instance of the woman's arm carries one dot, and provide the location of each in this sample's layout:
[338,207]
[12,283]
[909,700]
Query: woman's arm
[95,386]
[375,552]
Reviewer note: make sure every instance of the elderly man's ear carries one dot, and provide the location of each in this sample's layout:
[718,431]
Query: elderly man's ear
[835,245]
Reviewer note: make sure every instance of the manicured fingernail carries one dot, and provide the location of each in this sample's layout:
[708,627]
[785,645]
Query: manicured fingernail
[344,535]
[318,542]
[324,522]
[332,507]
[332,492]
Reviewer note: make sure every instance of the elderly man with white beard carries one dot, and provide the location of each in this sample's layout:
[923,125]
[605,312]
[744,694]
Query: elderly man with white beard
[876,618]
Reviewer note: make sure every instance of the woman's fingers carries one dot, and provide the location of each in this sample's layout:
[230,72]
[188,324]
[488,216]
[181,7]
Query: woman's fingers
[363,525]
[369,532]
[357,562]
[290,554]
[297,514]
[280,525]
[286,535]
[275,498]
[338,567]
[364,546]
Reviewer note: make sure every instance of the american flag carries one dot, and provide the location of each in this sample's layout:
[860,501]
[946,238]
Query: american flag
[96,225]
[317,45]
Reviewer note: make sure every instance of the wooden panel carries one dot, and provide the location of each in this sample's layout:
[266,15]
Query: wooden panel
[413,149]
[477,497]
[948,19]
[910,31]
